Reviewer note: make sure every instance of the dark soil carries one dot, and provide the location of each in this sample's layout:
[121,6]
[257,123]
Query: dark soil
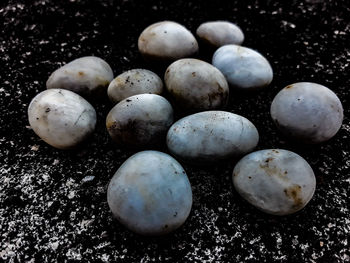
[53,203]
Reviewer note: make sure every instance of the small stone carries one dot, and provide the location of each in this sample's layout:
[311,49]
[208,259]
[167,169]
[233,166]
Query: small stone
[140,121]
[220,33]
[243,67]
[195,85]
[307,112]
[61,118]
[86,76]
[134,82]
[167,41]
[150,194]
[276,181]
[211,136]
[88,178]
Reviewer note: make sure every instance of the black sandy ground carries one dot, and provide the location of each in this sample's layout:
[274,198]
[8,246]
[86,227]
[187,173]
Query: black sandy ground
[53,204]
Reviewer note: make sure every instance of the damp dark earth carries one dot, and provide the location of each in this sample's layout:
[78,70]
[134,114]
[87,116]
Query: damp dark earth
[53,203]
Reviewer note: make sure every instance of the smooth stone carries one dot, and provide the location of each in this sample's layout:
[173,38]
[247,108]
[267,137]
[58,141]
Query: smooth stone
[140,121]
[276,181]
[167,41]
[243,67]
[195,85]
[150,194]
[220,33]
[134,82]
[211,136]
[86,76]
[61,118]
[307,112]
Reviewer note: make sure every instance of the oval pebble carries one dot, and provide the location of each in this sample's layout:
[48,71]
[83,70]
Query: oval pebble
[211,136]
[167,41]
[140,121]
[220,33]
[276,181]
[134,82]
[195,85]
[61,118]
[150,194]
[243,67]
[307,112]
[86,76]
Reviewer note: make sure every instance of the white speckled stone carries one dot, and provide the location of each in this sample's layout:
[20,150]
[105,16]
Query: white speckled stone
[167,41]
[276,181]
[150,193]
[243,67]
[211,136]
[140,121]
[134,82]
[195,85]
[86,76]
[220,33]
[61,118]
[307,112]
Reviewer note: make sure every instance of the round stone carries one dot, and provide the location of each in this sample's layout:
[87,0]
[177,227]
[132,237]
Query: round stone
[140,121]
[134,82]
[167,41]
[220,33]
[150,194]
[61,118]
[195,85]
[86,76]
[243,67]
[307,112]
[276,181]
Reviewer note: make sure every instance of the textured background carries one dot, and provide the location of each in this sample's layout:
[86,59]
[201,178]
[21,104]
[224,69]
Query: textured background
[53,203]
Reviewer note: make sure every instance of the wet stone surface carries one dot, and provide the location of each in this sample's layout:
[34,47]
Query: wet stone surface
[53,205]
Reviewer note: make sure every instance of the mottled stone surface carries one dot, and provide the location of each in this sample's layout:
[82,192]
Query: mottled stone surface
[61,118]
[88,76]
[219,33]
[140,121]
[53,204]
[276,181]
[308,112]
[150,194]
[211,136]
[167,41]
[195,85]
[133,82]
[244,68]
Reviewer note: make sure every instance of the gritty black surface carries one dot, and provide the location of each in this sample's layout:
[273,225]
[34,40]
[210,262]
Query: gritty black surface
[53,203]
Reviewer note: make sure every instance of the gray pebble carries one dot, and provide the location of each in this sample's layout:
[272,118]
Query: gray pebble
[133,82]
[243,67]
[61,118]
[308,112]
[86,76]
[276,181]
[167,41]
[211,136]
[150,194]
[195,85]
[220,33]
[140,121]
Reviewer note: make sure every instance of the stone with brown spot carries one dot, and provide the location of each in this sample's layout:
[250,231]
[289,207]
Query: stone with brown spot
[278,182]
[166,41]
[61,118]
[195,85]
[134,82]
[86,76]
[140,121]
